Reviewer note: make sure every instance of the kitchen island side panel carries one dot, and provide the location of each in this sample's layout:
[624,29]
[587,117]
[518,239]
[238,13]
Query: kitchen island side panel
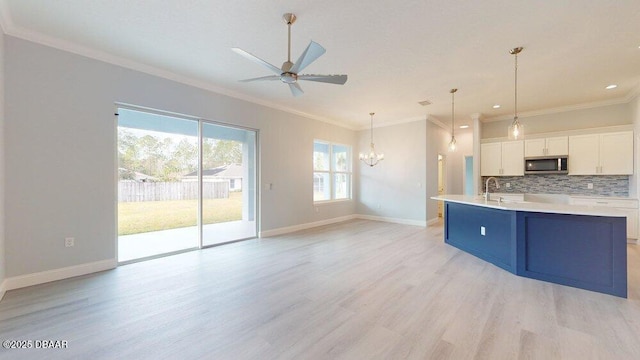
[463,229]
[587,252]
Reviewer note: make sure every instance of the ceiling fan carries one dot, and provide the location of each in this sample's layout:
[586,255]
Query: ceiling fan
[288,74]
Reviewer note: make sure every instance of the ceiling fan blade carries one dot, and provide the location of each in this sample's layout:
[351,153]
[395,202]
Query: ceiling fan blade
[270,77]
[310,54]
[296,90]
[331,79]
[257,60]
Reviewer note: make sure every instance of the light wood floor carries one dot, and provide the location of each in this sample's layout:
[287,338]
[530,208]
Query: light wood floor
[355,290]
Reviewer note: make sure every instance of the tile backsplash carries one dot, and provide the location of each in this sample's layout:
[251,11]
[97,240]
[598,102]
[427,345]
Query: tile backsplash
[603,185]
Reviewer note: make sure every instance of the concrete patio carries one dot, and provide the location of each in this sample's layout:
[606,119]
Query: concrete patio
[137,246]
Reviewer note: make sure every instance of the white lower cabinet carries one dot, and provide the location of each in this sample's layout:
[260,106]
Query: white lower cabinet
[628,206]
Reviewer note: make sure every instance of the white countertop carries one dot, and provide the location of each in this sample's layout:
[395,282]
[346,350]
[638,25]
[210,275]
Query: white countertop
[533,206]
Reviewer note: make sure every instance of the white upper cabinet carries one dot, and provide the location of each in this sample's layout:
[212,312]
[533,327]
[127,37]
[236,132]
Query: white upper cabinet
[491,159]
[513,158]
[584,158]
[502,159]
[616,153]
[534,147]
[546,147]
[601,154]
[557,146]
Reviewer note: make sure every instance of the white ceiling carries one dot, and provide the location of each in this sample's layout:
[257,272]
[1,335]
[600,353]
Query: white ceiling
[396,53]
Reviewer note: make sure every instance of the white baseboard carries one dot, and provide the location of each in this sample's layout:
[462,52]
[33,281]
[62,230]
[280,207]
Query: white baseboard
[21,281]
[294,228]
[392,220]
[433,221]
[3,289]
[290,229]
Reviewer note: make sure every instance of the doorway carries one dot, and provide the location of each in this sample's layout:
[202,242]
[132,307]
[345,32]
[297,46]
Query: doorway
[183,184]
[468,175]
[441,182]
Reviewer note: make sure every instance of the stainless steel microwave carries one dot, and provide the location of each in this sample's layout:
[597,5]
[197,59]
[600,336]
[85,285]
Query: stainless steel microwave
[546,165]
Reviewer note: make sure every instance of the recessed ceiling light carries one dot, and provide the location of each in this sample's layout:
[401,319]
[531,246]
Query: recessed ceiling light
[612,86]
[464,126]
[496,106]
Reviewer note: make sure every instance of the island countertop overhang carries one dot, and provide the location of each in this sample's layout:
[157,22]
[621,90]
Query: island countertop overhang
[532,206]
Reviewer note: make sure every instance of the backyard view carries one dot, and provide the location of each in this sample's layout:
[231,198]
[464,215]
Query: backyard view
[166,166]
[158,181]
[140,217]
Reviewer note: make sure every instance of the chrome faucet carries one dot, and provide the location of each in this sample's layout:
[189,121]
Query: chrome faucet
[486,187]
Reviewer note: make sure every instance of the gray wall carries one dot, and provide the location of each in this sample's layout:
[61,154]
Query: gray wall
[563,121]
[395,188]
[437,141]
[455,162]
[2,207]
[60,153]
[634,114]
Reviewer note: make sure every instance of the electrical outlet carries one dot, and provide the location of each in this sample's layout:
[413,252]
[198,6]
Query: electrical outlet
[482,231]
[69,242]
[590,186]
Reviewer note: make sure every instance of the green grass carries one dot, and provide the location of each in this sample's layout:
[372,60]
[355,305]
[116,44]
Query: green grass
[145,216]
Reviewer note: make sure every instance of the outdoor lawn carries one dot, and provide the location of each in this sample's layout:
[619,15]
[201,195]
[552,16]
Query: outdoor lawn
[145,216]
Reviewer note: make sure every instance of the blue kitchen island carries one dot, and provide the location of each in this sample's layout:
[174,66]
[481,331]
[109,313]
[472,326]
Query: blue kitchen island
[579,246]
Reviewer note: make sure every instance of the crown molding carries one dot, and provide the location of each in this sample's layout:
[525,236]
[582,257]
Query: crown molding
[438,123]
[10,29]
[393,123]
[634,93]
[478,116]
[561,109]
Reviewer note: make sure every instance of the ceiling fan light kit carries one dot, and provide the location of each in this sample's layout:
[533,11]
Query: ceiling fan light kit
[289,73]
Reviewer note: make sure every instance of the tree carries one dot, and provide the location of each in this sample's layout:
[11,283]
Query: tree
[218,153]
[165,160]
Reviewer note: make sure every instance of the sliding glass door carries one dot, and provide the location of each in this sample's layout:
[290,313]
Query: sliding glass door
[228,184]
[165,205]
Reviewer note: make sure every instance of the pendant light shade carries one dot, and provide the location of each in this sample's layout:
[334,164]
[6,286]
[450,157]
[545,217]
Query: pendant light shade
[372,158]
[516,129]
[452,143]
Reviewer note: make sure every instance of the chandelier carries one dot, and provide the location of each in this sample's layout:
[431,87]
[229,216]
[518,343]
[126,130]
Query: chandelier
[372,158]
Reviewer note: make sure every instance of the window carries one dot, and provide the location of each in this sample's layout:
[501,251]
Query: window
[331,171]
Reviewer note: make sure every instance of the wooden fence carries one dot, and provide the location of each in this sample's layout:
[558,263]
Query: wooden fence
[129,191]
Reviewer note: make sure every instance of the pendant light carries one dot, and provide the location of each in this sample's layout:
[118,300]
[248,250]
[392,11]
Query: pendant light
[452,143]
[372,158]
[516,130]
